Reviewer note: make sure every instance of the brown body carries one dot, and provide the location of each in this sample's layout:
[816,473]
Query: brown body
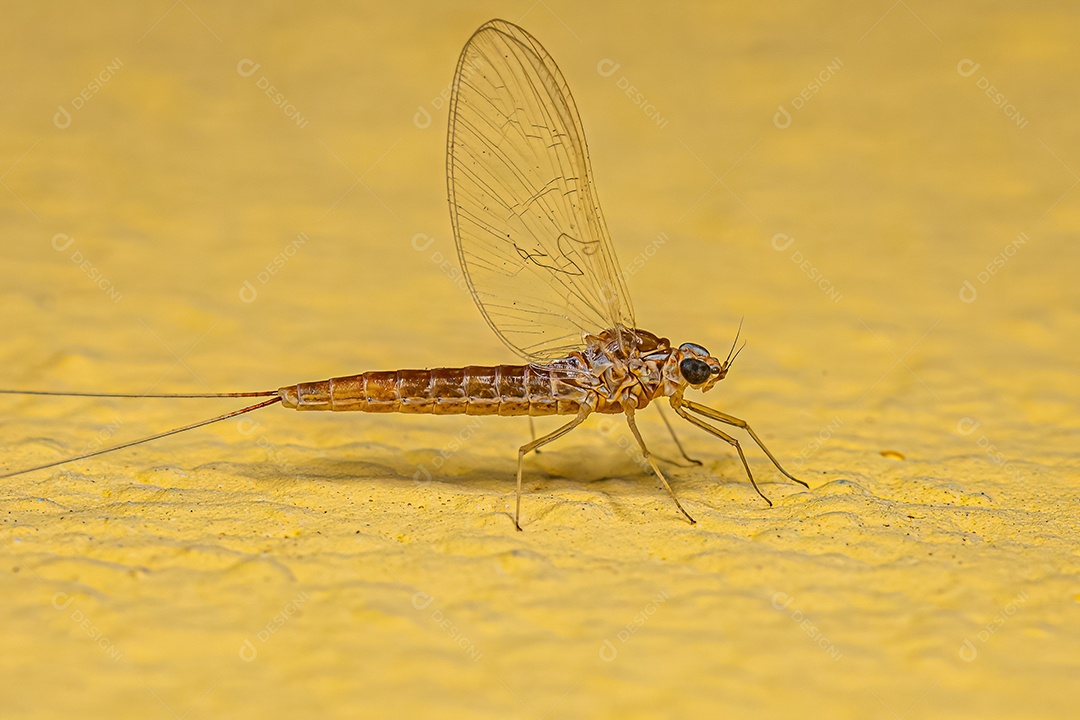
[603,377]
[473,390]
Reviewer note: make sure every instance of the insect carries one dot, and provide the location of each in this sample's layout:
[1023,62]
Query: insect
[535,251]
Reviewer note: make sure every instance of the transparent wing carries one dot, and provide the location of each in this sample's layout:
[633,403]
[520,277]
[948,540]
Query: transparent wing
[530,234]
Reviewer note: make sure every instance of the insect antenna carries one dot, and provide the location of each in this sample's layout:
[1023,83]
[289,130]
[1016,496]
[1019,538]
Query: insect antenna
[731,358]
[158,436]
[730,362]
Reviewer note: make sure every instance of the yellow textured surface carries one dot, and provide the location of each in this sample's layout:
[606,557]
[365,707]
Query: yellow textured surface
[834,172]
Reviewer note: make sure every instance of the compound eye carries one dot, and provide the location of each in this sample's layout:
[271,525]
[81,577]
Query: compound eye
[695,371]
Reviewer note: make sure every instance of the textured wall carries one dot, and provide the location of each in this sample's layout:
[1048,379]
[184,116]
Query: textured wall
[207,198]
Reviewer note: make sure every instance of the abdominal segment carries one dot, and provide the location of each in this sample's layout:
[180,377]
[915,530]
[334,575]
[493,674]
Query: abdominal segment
[473,390]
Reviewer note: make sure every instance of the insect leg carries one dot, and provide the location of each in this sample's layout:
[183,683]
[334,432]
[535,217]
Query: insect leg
[732,420]
[539,442]
[532,432]
[648,456]
[674,437]
[728,439]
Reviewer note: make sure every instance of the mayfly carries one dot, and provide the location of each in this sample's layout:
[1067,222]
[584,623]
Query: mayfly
[536,255]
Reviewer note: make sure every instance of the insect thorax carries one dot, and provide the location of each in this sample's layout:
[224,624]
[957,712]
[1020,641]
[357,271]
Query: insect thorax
[626,367]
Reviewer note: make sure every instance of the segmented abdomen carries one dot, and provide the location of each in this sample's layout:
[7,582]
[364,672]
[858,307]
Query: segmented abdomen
[473,390]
